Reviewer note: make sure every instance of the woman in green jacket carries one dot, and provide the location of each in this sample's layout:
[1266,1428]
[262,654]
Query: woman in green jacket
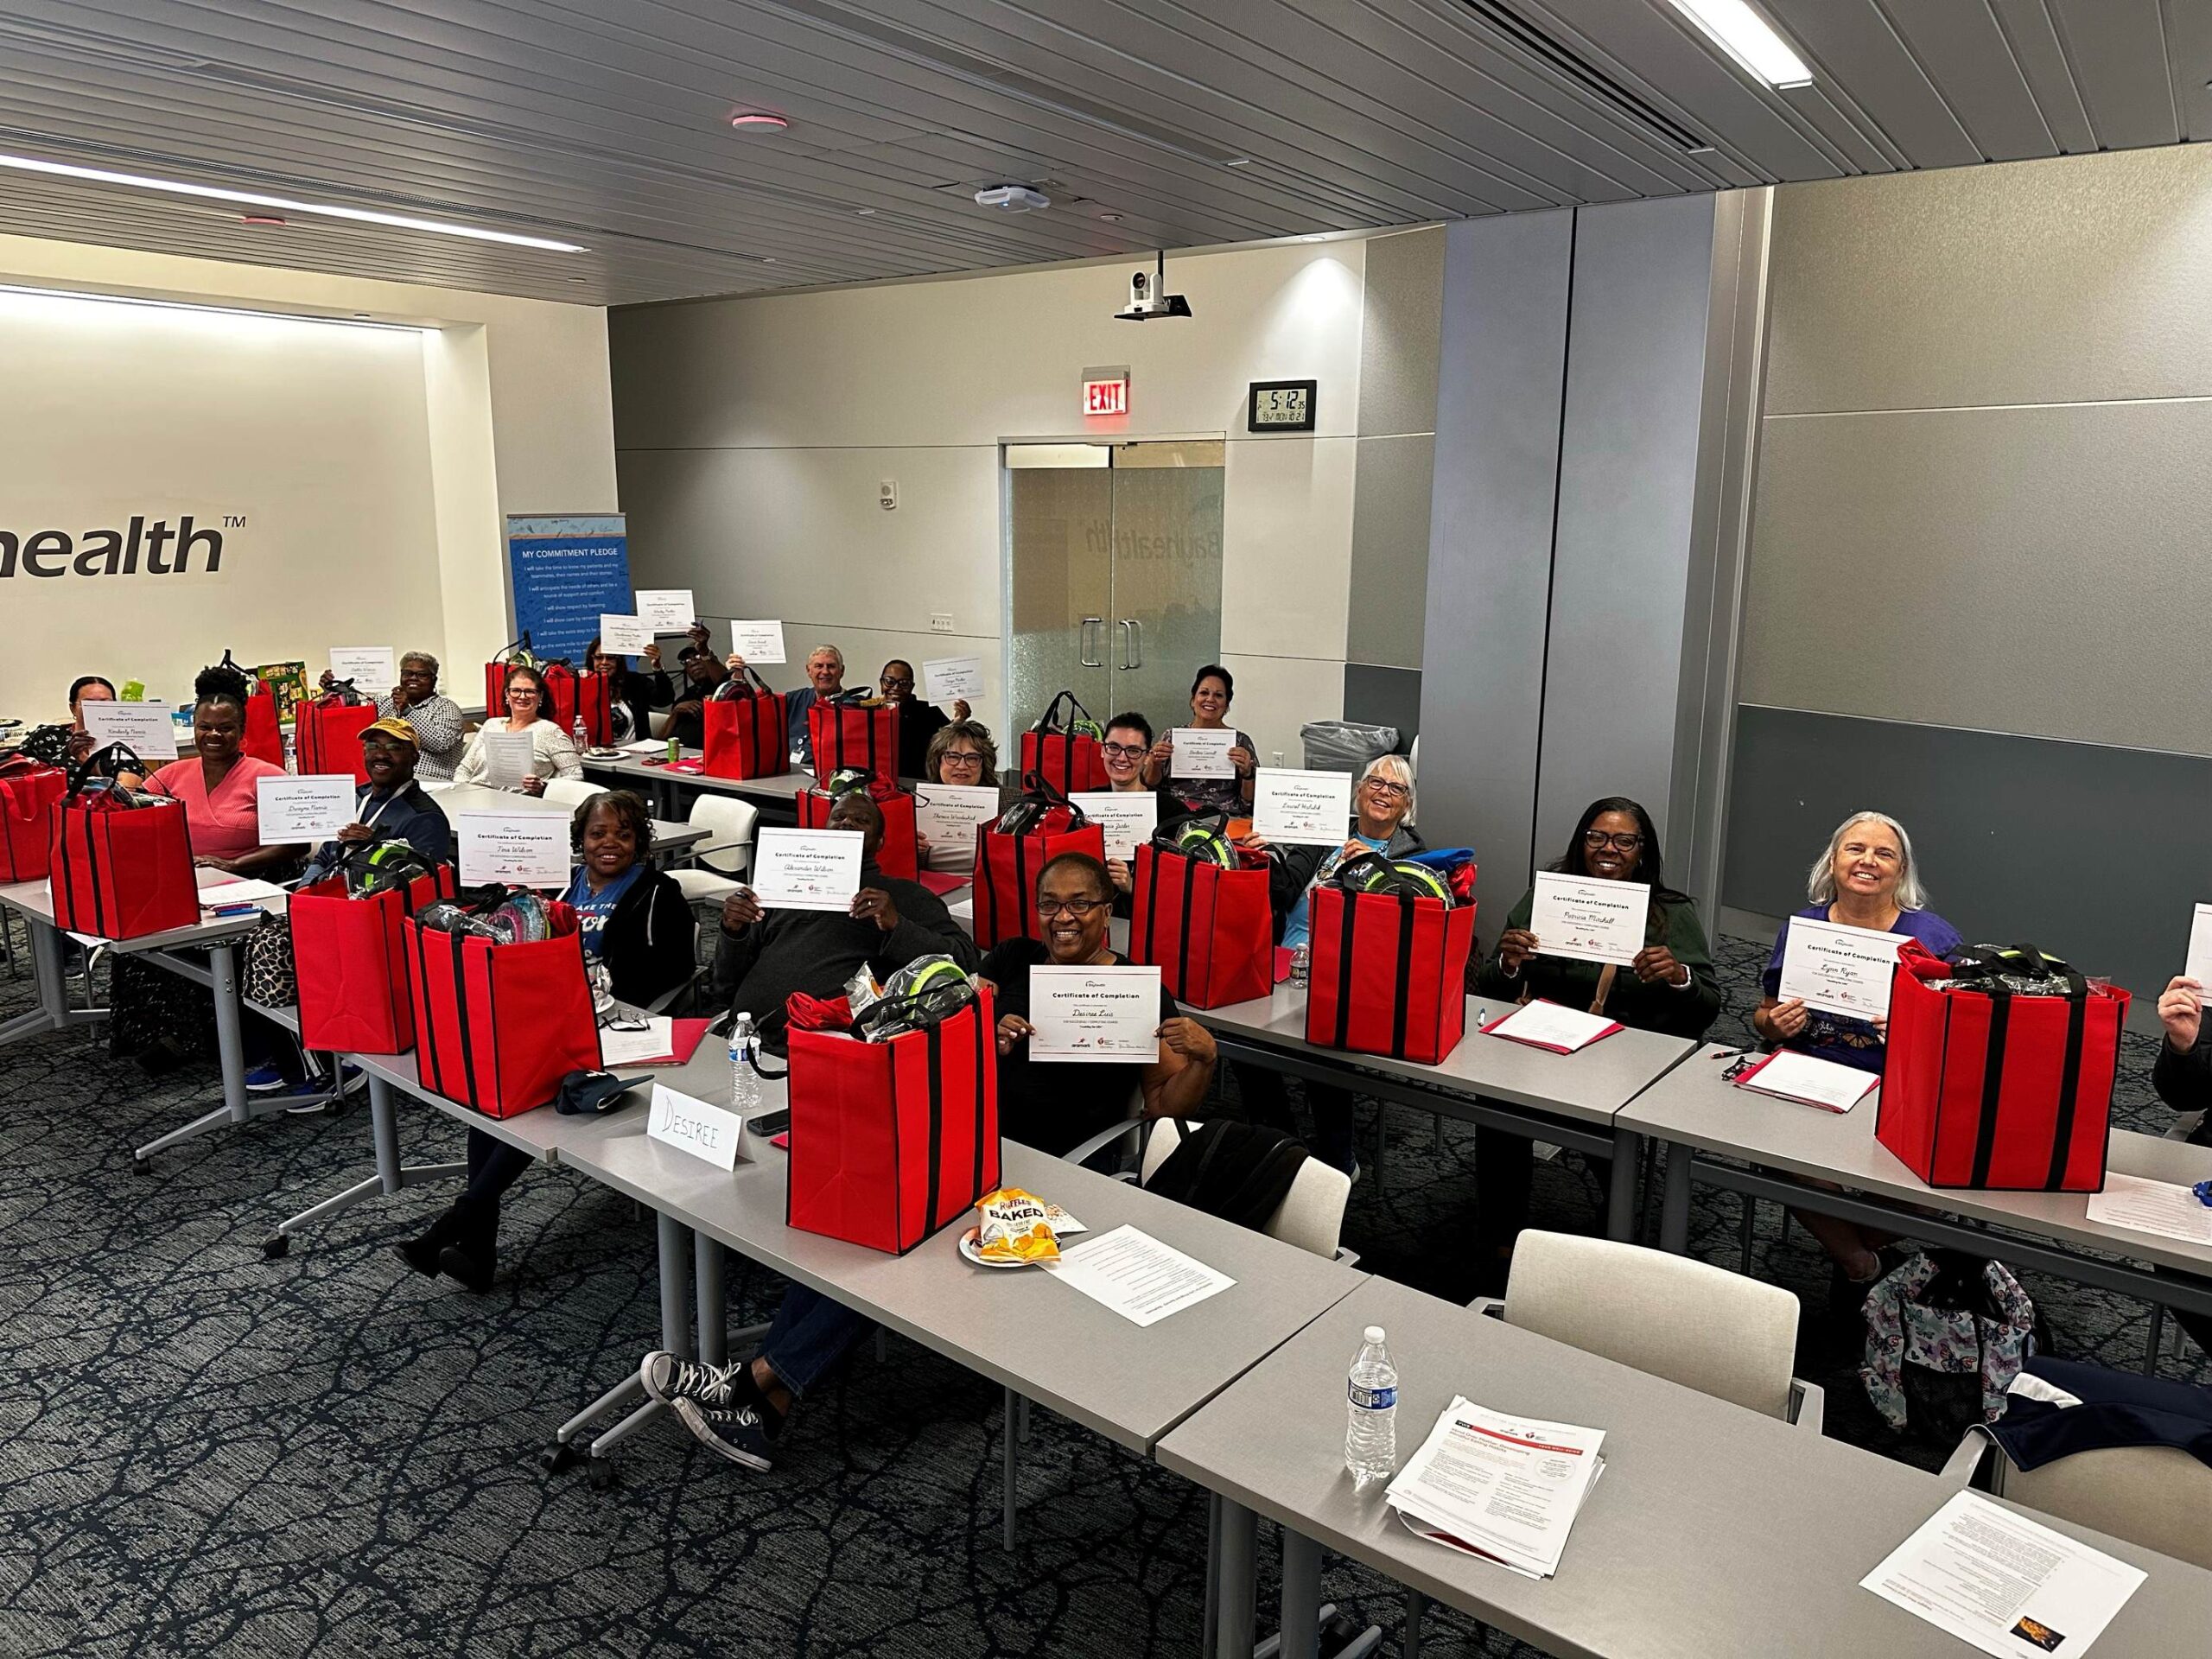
[1670,988]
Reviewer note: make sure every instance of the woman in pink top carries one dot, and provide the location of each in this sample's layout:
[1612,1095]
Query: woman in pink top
[217,785]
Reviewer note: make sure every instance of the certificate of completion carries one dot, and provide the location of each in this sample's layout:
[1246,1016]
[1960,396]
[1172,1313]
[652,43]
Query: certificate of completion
[665,610]
[1839,969]
[1589,920]
[1097,1014]
[624,636]
[950,813]
[1201,754]
[1301,808]
[371,668]
[312,808]
[757,642]
[2196,965]
[144,728]
[806,869]
[1127,816]
[516,849]
[950,679]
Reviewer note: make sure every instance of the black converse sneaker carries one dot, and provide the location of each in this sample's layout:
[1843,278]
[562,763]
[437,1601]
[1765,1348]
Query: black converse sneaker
[669,1377]
[739,1434]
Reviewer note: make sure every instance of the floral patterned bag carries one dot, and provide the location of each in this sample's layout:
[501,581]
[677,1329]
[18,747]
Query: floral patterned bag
[1945,1334]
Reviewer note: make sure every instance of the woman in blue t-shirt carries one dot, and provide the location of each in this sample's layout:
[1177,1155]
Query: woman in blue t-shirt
[1866,878]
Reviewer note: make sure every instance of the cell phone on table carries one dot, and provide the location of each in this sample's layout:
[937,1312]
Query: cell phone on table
[769,1123]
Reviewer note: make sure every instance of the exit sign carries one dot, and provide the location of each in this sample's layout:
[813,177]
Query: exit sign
[1105,391]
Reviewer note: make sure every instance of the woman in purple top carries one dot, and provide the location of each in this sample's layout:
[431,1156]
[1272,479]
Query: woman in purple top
[1866,878]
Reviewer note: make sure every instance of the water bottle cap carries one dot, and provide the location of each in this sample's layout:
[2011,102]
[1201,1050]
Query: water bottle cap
[1373,1334]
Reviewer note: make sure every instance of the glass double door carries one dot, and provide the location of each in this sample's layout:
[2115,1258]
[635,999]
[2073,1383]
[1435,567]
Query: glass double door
[1113,570]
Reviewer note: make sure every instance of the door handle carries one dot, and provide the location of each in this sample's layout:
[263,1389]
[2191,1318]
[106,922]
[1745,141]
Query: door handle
[1083,642]
[1132,635]
[1126,626]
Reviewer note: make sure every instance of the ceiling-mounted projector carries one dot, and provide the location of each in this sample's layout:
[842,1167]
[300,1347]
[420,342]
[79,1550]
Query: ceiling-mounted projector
[1013,198]
[1150,298]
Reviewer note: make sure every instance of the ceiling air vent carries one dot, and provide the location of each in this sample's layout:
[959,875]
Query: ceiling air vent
[1565,61]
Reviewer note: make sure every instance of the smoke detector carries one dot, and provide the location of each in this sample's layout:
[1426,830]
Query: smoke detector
[1013,198]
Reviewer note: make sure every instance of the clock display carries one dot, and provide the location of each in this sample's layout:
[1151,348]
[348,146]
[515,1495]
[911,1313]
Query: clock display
[1281,406]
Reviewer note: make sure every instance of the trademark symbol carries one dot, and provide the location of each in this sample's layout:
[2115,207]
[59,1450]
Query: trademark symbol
[234,521]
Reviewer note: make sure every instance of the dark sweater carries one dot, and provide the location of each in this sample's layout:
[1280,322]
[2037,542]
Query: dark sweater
[918,722]
[1671,1010]
[647,945]
[818,951]
[2184,1081]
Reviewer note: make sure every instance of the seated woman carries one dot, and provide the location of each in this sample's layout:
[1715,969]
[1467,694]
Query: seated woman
[59,746]
[961,754]
[632,695]
[1866,878]
[530,711]
[738,1410]
[637,924]
[2182,1078]
[1669,989]
[1211,692]
[1127,742]
[155,1014]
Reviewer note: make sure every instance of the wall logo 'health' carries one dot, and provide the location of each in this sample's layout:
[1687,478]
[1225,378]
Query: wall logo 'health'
[154,547]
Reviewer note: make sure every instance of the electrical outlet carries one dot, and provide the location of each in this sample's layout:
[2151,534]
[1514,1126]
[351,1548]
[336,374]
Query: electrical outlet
[940,623]
[886,494]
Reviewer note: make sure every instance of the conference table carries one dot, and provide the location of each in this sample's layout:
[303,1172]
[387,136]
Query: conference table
[1762,1148]
[670,792]
[1713,1530]
[1570,1100]
[670,835]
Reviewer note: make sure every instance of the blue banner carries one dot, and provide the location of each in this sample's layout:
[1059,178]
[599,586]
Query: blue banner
[567,569]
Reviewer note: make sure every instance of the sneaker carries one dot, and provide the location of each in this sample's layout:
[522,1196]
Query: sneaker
[667,1377]
[739,1435]
[311,1096]
[266,1080]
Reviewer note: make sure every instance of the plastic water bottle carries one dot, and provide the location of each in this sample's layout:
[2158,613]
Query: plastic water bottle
[744,1083]
[577,732]
[1371,1411]
[1301,966]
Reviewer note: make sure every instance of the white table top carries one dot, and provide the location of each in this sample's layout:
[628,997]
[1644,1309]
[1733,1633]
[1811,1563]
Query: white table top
[1692,1106]
[1712,1531]
[782,790]
[1590,1086]
[35,900]
[668,835]
[1052,1343]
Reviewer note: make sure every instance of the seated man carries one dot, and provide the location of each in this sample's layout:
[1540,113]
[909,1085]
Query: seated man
[738,1410]
[703,674]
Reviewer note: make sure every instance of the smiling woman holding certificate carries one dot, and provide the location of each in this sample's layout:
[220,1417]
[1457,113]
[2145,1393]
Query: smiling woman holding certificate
[1667,986]
[524,748]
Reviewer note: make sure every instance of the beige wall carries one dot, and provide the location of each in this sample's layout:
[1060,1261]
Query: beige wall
[395,452]
[1982,496]
[753,434]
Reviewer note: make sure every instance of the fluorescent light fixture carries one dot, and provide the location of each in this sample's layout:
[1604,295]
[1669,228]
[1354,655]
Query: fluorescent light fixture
[253,199]
[1749,38]
[84,296]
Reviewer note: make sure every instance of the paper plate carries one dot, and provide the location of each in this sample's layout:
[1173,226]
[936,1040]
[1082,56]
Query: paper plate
[968,1249]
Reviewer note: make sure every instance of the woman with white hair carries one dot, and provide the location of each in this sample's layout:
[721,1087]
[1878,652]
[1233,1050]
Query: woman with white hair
[1866,878]
[1382,814]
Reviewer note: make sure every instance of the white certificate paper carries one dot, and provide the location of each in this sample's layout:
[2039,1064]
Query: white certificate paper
[654,1045]
[1839,969]
[1548,1024]
[1301,808]
[508,757]
[2165,1208]
[949,679]
[145,727]
[806,869]
[516,849]
[1201,754]
[624,636]
[757,642]
[2006,1585]
[1811,1081]
[950,813]
[312,808]
[1137,1275]
[372,669]
[711,1133]
[665,610]
[1588,920]
[2197,965]
[1127,816]
[1109,1015]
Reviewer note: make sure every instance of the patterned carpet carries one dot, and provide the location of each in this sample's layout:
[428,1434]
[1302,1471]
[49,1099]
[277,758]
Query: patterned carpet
[203,1452]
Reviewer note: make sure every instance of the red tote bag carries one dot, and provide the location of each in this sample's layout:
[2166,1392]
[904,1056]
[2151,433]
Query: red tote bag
[748,736]
[121,872]
[1389,975]
[854,737]
[499,1026]
[356,992]
[571,692]
[891,1141]
[1985,1089]
[1007,868]
[326,736]
[28,789]
[495,675]
[898,855]
[1210,931]
[264,738]
[1066,758]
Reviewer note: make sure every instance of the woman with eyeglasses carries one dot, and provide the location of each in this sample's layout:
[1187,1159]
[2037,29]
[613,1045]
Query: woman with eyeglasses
[1383,812]
[530,711]
[1670,988]
[1210,694]
[1127,742]
[632,693]
[962,755]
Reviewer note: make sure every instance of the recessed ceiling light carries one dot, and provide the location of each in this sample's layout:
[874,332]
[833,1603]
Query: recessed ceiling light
[254,199]
[767,118]
[1111,218]
[1749,38]
[261,218]
[1240,161]
[865,213]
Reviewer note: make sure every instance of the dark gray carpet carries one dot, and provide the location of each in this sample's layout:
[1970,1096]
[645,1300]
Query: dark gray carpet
[203,1452]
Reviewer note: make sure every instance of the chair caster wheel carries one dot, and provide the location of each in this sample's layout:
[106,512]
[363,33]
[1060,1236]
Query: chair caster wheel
[557,1460]
[141,1166]
[275,1245]
[600,1473]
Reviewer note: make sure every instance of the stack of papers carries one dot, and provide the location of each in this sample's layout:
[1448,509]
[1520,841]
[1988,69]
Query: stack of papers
[1507,1489]
[1137,1275]
[1548,1024]
[2165,1208]
[1801,1077]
